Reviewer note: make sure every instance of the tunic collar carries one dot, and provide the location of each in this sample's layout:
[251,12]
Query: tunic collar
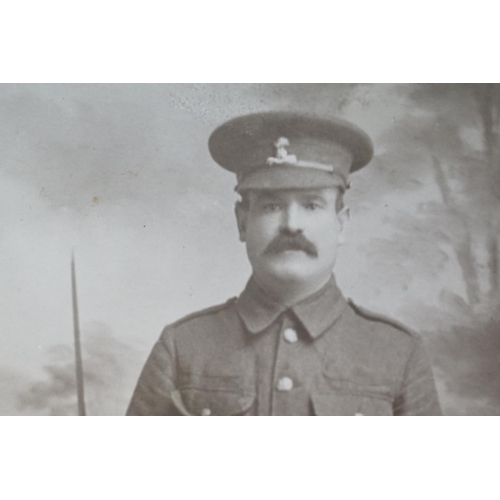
[316,313]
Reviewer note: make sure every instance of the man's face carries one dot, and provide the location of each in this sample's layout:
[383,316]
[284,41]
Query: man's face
[292,235]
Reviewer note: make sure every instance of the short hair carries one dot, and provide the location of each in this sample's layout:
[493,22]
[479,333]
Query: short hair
[244,203]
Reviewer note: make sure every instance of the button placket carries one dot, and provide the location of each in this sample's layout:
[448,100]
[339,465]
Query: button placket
[284,380]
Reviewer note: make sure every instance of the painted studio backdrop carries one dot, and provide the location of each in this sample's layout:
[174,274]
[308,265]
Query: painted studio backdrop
[122,175]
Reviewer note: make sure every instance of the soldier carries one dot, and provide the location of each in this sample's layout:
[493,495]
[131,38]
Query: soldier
[290,344]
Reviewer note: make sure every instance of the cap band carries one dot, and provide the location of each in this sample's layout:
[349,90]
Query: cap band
[290,177]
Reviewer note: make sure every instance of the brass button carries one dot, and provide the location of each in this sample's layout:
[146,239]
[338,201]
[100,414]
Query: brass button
[290,335]
[206,412]
[285,384]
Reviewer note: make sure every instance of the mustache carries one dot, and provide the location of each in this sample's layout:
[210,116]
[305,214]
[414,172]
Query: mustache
[284,242]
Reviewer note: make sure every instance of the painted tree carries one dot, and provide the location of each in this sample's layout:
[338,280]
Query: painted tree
[451,132]
[473,207]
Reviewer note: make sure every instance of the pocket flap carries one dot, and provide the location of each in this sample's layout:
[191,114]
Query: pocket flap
[350,403]
[199,402]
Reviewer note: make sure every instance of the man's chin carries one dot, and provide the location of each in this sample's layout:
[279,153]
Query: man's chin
[291,256]
[291,269]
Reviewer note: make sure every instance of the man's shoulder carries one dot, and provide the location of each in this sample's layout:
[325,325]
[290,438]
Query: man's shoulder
[204,317]
[381,323]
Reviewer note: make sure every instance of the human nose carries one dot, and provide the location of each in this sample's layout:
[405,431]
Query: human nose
[291,219]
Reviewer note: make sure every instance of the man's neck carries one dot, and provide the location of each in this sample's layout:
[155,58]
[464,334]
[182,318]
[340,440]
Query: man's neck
[290,293]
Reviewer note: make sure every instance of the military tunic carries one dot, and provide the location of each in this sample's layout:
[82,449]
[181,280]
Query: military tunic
[254,356]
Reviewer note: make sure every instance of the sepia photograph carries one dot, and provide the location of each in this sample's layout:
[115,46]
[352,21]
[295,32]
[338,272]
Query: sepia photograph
[245,249]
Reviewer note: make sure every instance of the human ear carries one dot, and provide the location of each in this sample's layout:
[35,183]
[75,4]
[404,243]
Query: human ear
[241,219]
[344,216]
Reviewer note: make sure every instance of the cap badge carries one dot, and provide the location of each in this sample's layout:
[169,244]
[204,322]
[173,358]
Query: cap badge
[282,155]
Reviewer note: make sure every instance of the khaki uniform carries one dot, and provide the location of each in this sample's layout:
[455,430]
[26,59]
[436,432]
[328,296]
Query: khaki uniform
[252,356]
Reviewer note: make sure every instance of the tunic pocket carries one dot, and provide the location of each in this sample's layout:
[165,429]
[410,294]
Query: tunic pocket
[370,401]
[202,402]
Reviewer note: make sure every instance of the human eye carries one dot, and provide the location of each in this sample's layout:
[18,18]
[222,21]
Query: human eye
[313,205]
[271,207]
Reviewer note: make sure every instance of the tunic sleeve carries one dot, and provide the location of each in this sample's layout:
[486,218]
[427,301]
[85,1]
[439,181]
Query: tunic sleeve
[152,395]
[418,395]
